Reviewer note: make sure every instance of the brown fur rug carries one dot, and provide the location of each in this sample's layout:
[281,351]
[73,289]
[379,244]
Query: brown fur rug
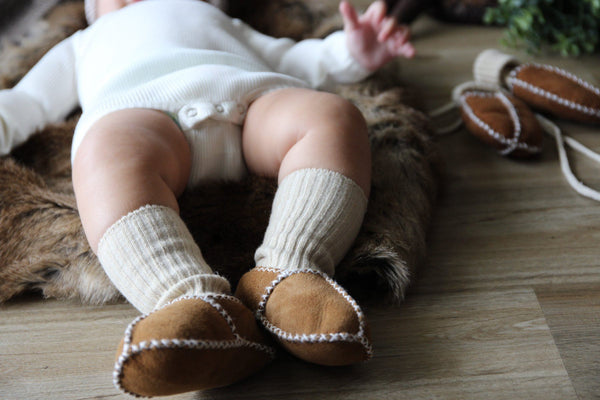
[42,245]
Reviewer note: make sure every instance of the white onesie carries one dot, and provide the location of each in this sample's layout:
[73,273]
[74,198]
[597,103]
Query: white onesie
[184,57]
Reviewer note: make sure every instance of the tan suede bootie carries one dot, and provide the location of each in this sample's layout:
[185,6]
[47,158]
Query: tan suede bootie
[308,313]
[192,343]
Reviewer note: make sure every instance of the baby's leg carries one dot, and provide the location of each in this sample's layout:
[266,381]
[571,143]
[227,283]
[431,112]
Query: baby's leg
[128,159]
[293,129]
[127,174]
[317,145]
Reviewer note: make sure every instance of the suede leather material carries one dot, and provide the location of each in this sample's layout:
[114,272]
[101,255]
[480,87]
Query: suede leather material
[175,323]
[329,312]
[176,368]
[309,317]
[252,285]
[554,83]
[490,111]
[244,321]
[171,371]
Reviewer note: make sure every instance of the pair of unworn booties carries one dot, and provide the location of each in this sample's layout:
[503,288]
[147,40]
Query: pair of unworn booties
[213,340]
[499,106]
[503,107]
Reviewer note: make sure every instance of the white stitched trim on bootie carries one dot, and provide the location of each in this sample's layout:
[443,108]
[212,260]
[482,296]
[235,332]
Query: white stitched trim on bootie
[510,143]
[514,81]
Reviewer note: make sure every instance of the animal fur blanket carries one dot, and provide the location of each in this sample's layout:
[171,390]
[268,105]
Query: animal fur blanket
[42,244]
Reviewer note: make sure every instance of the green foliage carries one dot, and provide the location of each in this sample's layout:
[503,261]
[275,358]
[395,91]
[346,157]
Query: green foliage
[569,27]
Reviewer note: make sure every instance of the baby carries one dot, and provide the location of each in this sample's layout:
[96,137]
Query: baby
[174,93]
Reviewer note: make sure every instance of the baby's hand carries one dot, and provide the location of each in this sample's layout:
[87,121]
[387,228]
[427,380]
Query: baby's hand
[374,39]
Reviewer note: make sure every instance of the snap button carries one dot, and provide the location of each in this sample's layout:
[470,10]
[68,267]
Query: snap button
[219,108]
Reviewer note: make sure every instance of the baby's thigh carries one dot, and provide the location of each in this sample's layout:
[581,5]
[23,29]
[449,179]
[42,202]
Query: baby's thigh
[278,120]
[143,139]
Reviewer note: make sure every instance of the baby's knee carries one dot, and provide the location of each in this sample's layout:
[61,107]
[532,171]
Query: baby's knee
[338,110]
[345,123]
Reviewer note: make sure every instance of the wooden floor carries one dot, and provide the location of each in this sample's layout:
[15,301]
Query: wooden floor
[506,307]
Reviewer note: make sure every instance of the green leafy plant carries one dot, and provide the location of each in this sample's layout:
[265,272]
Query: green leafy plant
[569,27]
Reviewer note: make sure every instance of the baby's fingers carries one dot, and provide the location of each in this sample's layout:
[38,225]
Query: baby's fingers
[401,47]
[398,33]
[407,50]
[349,15]
[375,13]
[388,27]
[401,34]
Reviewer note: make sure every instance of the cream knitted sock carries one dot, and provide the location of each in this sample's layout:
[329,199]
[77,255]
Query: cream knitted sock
[152,258]
[315,218]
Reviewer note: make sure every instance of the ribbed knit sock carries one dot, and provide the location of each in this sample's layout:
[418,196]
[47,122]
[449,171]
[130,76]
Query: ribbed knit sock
[152,258]
[315,218]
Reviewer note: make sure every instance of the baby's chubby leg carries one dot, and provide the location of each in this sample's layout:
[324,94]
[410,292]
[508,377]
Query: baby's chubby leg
[317,145]
[293,129]
[127,174]
[128,159]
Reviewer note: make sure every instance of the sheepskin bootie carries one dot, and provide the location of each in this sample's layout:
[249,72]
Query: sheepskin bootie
[499,119]
[309,314]
[193,343]
[544,87]
[315,218]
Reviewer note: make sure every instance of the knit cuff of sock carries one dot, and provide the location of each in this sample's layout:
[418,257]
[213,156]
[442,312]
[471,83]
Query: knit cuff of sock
[491,66]
[151,257]
[316,216]
[195,286]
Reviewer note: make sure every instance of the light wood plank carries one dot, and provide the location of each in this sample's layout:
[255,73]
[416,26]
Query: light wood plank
[58,350]
[573,314]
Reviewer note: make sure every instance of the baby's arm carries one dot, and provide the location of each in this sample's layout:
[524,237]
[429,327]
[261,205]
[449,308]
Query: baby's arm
[45,95]
[369,41]
[319,62]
